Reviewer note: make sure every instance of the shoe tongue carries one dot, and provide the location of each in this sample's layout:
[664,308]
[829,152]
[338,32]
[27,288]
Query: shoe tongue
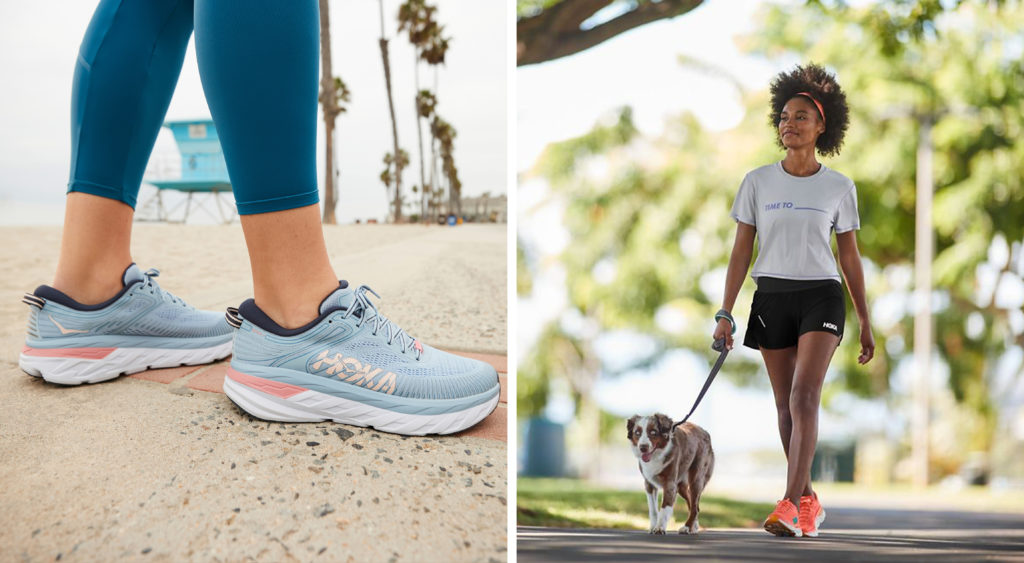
[131,275]
[341,298]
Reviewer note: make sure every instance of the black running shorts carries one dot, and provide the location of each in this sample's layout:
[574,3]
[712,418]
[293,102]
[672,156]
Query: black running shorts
[785,309]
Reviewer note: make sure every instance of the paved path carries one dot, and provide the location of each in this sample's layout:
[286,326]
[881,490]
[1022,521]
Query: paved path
[849,534]
[161,466]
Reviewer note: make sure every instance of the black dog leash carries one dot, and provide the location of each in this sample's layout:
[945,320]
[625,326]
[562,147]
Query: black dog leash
[718,346]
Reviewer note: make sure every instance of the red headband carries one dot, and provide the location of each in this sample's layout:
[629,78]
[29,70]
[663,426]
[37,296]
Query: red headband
[816,103]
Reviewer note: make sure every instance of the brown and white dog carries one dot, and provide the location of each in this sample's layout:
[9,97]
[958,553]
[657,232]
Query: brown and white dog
[675,462]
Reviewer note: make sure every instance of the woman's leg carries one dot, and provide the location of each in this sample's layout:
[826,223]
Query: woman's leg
[125,74]
[290,269]
[258,63]
[814,352]
[781,365]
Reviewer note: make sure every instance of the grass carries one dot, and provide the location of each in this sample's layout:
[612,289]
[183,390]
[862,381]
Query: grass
[569,503]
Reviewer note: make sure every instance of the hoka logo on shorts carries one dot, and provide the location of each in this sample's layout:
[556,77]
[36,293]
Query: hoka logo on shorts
[351,370]
[778,205]
[831,326]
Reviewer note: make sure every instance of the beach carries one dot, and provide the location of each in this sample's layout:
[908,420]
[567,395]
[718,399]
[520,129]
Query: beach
[162,466]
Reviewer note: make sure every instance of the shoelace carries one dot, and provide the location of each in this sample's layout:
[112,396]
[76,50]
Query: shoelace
[165,295]
[366,311]
[805,512]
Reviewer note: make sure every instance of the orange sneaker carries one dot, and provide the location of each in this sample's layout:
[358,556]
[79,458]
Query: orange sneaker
[784,520]
[811,515]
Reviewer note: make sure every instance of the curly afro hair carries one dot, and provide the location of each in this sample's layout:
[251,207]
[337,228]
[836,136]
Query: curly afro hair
[823,86]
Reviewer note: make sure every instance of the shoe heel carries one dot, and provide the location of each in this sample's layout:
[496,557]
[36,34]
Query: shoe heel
[68,366]
[265,398]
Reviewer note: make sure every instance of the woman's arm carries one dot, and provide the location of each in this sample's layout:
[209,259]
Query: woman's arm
[853,271]
[739,263]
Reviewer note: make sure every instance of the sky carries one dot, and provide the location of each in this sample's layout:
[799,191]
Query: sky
[40,43]
[564,98]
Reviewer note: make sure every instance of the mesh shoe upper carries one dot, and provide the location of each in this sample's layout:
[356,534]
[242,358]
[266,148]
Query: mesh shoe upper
[810,509]
[140,309]
[352,342]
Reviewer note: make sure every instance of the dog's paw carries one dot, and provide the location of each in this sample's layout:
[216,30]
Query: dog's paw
[695,529]
[657,531]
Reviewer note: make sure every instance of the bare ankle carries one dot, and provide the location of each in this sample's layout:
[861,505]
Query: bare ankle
[296,306]
[92,286]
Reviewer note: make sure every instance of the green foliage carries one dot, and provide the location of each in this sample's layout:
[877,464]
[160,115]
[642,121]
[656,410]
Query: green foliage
[559,161]
[897,23]
[966,79]
[655,212]
[524,281]
[393,167]
[426,104]
[555,354]
[566,503]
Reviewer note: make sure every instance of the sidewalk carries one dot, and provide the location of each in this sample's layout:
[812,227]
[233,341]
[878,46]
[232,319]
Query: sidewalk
[847,535]
[162,466]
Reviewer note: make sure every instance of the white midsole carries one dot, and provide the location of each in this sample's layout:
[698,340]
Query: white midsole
[75,371]
[313,406]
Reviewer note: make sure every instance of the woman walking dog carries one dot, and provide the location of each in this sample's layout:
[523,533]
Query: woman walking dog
[798,311]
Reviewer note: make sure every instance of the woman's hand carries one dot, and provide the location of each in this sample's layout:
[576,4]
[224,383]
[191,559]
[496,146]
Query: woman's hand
[867,344]
[724,330]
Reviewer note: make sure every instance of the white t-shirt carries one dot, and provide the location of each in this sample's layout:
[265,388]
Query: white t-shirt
[794,217]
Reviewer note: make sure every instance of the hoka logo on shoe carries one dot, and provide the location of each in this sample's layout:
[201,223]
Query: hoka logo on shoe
[353,371]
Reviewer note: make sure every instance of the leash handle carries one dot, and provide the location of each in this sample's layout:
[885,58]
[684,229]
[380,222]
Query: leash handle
[718,346]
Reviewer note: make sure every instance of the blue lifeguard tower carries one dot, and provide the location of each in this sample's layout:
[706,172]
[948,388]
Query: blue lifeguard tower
[203,171]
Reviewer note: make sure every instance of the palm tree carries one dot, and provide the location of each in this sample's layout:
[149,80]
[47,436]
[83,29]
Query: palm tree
[434,55]
[393,168]
[333,94]
[445,134]
[426,104]
[395,177]
[416,18]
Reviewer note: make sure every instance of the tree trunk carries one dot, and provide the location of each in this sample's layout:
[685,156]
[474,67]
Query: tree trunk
[397,211]
[434,181]
[329,101]
[419,126]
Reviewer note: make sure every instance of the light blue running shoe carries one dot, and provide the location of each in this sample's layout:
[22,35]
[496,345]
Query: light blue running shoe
[353,365]
[141,327]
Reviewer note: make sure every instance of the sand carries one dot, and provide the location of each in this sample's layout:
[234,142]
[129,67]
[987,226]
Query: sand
[140,470]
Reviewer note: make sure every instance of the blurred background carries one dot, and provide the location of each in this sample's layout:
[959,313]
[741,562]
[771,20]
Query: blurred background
[636,122]
[455,52]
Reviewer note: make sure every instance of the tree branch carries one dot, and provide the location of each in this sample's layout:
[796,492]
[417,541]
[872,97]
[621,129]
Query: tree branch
[555,32]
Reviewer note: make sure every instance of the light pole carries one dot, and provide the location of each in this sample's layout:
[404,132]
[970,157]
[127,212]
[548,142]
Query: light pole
[923,252]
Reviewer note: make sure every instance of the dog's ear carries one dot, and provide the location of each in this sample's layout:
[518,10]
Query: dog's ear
[630,424]
[664,423]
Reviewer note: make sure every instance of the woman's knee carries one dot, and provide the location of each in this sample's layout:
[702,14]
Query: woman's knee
[804,400]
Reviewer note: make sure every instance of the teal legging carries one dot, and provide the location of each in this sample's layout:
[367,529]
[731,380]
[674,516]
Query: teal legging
[258,64]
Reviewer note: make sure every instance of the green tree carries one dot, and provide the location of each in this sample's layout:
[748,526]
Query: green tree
[426,106]
[445,135]
[416,18]
[963,78]
[394,167]
[659,222]
[394,175]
